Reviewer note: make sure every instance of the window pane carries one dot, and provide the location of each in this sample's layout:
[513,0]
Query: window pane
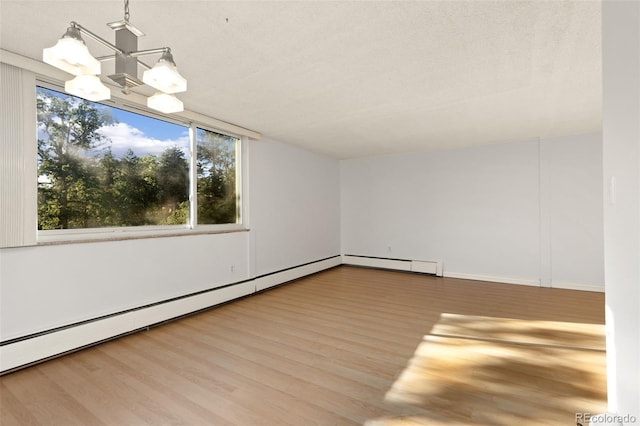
[218,200]
[100,166]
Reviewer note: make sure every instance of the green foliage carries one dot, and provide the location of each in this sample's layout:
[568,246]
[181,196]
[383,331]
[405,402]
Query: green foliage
[216,164]
[178,216]
[68,193]
[173,178]
[82,184]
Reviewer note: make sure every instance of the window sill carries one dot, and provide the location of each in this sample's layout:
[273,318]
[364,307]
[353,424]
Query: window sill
[123,237]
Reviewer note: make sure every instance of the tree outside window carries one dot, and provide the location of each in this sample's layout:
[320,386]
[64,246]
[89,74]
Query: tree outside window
[100,166]
[216,164]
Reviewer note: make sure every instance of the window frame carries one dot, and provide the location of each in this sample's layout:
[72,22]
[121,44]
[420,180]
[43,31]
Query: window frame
[193,183]
[152,231]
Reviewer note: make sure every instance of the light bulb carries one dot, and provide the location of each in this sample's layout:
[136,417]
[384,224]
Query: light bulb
[164,76]
[88,87]
[70,54]
[166,103]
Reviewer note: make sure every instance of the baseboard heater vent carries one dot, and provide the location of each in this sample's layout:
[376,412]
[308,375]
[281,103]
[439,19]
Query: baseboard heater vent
[409,265]
[29,350]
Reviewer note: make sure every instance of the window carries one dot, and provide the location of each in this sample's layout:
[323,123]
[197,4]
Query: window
[107,169]
[217,190]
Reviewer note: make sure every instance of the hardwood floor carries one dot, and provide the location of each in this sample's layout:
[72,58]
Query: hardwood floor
[345,346]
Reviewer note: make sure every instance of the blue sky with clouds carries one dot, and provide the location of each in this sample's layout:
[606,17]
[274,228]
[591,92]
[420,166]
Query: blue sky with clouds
[157,129]
[143,135]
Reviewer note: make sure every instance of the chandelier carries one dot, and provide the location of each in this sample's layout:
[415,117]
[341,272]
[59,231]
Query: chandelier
[71,54]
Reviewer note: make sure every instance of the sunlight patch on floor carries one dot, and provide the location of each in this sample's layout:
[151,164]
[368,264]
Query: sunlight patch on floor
[501,371]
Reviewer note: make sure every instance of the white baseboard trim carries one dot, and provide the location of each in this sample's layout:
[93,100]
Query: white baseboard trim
[29,350]
[376,262]
[408,265]
[599,288]
[436,268]
[507,280]
[47,345]
[492,278]
[287,275]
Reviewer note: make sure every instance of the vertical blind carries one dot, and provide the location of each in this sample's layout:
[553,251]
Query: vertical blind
[18,150]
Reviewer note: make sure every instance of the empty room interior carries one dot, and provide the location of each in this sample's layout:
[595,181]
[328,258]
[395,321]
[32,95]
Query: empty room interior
[384,213]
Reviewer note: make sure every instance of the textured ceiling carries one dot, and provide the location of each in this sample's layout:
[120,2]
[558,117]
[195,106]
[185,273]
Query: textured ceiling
[354,78]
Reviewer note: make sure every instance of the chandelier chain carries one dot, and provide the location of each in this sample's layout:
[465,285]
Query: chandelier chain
[126,10]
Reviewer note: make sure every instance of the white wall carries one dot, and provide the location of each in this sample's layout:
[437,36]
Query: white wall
[571,201]
[621,152]
[294,218]
[293,212]
[504,212]
[51,286]
[295,206]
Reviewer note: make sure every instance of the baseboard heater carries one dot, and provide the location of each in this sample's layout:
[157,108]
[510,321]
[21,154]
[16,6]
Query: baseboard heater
[420,266]
[22,352]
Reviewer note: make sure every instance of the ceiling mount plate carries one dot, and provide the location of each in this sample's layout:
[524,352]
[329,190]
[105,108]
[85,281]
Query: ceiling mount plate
[118,25]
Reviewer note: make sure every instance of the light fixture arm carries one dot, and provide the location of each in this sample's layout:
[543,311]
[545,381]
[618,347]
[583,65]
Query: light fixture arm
[70,54]
[162,50]
[149,51]
[113,58]
[116,49]
[97,38]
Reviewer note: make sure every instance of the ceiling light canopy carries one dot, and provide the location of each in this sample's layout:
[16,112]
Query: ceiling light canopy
[71,54]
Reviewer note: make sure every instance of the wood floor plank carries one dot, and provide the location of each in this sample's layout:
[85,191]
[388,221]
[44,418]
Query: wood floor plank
[47,400]
[288,374]
[207,404]
[228,384]
[347,346]
[230,360]
[108,407]
[12,409]
[348,364]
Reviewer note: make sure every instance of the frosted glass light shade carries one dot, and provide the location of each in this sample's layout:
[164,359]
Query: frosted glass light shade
[164,76]
[166,103]
[88,87]
[70,54]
